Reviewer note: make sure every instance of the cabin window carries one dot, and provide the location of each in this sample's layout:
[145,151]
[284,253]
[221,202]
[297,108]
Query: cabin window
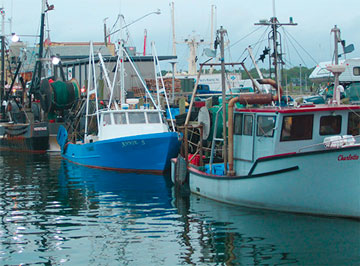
[354,124]
[356,71]
[120,118]
[237,124]
[330,125]
[265,126]
[298,127]
[137,118]
[106,119]
[153,118]
[248,125]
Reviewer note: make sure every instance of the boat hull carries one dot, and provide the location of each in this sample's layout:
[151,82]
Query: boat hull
[143,153]
[321,183]
[33,138]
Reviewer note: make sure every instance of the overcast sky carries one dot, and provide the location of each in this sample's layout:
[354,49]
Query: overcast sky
[82,20]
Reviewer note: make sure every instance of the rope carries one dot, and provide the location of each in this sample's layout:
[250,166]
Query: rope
[245,37]
[287,33]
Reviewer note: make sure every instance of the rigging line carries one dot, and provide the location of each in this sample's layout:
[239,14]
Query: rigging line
[113,26]
[245,37]
[287,49]
[228,48]
[259,41]
[262,39]
[297,51]
[288,33]
[256,43]
[242,55]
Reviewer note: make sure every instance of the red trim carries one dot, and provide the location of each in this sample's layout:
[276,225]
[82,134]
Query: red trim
[25,151]
[276,155]
[302,109]
[121,170]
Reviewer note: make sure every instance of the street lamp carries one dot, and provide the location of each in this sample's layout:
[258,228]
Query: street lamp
[157,12]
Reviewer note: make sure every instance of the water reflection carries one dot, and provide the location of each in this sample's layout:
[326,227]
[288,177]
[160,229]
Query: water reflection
[54,212]
[243,236]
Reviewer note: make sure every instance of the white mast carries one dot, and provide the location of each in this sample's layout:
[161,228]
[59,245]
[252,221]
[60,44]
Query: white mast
[173,33]
[336,69]
[274,14]
[122,63]
[193,45]
[213,9]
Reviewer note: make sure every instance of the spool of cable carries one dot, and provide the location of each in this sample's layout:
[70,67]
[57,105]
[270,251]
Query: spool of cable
[58,95]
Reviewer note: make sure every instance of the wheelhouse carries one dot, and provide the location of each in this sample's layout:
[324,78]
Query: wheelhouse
[272,131]
[126,122]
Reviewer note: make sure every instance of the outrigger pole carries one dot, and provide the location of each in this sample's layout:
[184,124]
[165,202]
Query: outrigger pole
[36,77]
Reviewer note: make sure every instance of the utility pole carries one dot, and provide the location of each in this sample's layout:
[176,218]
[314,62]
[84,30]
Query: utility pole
[222,32]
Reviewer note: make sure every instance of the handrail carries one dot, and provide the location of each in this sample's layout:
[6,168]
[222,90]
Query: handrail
[322,143]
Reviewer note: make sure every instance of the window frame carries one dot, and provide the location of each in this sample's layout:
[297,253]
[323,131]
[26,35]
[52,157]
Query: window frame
[245,133]
[149,114]
[123,115]
[136,113]
[265,133]
[105,120]
[354,119]
[294,138]
[356,71]
[238,129]
[322,124]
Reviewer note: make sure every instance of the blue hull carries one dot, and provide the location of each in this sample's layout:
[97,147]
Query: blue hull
[142,153]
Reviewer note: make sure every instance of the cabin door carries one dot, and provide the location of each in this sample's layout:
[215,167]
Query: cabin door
[246,147]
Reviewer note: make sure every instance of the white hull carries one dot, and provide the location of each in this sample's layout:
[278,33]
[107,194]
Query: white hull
[315,183]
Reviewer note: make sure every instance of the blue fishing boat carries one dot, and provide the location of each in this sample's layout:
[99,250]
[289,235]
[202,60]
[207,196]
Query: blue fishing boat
[303,159]
[123,139]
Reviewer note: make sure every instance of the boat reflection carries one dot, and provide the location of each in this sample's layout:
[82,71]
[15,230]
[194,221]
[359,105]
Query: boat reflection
[242,236]
[195,230]
[83,185]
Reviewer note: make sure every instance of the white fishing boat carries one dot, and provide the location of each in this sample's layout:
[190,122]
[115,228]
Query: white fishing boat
[303,159]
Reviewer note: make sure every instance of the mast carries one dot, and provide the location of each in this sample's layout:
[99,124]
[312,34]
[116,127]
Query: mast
[122,65]
[336,69]
[193,45]
[222,32]
[213,9]
[36,78]
[277,60]
[173,33]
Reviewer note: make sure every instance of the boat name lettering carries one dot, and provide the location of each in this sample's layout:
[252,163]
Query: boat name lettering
[348,158]
[132,143]
[40,128]
[90,148]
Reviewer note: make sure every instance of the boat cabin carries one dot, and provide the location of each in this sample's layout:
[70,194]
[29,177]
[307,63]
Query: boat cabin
[128,122]
[262,132]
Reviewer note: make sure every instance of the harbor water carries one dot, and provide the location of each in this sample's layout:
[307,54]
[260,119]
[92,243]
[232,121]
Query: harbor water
[56,213]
